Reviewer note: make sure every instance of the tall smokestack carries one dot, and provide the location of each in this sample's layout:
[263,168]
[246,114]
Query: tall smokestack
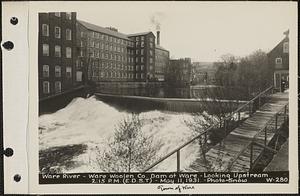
[158,37]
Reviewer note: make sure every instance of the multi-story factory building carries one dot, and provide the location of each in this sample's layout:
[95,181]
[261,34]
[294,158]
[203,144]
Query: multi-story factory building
[74,52]
[104,53]
[56,53]
[108,55]
[144,47]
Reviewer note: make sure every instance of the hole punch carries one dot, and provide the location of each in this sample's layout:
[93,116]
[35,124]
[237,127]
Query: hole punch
[17,178]
[8,45]
[8,152]
[14,20]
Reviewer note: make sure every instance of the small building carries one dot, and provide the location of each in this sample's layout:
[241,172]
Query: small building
[56,53]
[178,72]
[278,59]
[203,73]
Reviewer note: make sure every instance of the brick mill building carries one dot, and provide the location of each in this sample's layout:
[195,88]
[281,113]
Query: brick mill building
[56,52]
[162,60]
[73,52]
[106,54]
[144,59]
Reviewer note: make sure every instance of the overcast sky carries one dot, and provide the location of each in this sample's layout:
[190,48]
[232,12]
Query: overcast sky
[200,30]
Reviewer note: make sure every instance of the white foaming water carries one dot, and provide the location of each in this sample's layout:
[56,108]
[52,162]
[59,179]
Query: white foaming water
[91,122]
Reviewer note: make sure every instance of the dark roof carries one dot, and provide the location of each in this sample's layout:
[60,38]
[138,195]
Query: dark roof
[103,30]
[286,39]
[137,34]
[161,48]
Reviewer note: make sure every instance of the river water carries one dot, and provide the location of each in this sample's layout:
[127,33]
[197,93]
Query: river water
[69,137]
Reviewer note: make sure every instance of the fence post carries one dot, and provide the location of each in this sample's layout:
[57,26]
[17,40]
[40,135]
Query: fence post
[239,116]
[258,102]
[225,128]
[265,136]
[250,108]
[285,113]
[205,141]
[178,161]
[276,122]
[251,154]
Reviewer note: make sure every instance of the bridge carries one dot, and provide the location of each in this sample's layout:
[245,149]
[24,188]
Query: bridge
[243,145]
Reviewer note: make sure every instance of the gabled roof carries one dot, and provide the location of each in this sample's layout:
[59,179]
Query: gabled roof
[137,34]
[103,30]
[283,40]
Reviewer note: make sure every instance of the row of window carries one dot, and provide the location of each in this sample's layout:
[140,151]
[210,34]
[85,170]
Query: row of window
[57,32]
[97,54]
[68,15]
[142,38]
[121,67]
[105,47]
[46,87]
[111,65]
[57,51]
[105,37]
[57,70]
[116,75]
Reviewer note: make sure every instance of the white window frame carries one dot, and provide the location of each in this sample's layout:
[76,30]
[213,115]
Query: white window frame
[286,47]
[45,30]
[68,34]
[68,71]
[58,71]
[45,48]
[278,61]
[68,52]
[69,15]
[46,71]
[57,14]
[46,83]
[57,84]
[57,35]
[57,51]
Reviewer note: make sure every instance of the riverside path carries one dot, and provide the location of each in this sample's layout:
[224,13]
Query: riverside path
[239,150]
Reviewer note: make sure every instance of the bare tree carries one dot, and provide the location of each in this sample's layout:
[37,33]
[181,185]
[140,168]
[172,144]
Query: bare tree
[214,110]
[130,150]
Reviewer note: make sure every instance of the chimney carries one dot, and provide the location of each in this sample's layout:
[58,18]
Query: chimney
[158,37]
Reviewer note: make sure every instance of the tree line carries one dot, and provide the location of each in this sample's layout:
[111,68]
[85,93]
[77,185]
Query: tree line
[251,73]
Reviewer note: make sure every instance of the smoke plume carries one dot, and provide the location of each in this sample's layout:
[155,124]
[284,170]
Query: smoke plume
[156,20]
